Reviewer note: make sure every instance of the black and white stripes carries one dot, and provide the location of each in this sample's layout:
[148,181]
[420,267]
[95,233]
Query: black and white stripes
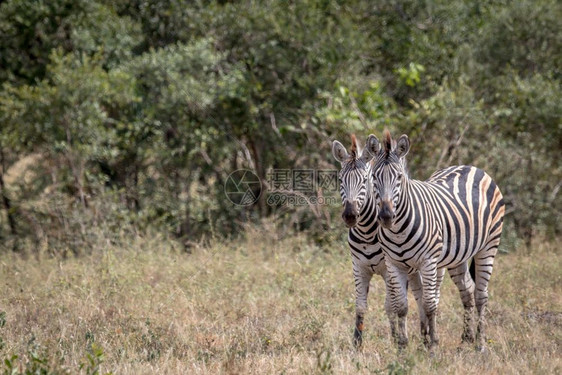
[442,223]
[360,215]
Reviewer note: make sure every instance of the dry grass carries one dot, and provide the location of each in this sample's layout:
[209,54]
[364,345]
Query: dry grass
[257,306]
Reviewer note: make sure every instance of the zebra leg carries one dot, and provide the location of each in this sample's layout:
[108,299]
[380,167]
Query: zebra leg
[415,281]
[397,303]
[484,262]
[430,299]
[392,317]
[465,284]
[438,282]
[362,281]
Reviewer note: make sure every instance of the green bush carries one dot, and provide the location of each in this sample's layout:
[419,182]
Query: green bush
[132,115]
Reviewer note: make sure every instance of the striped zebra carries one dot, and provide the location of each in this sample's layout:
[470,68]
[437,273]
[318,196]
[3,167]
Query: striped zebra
[360,215]
[442,223]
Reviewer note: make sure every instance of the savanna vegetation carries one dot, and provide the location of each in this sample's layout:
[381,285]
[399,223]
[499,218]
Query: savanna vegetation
[121,121]
[257,307]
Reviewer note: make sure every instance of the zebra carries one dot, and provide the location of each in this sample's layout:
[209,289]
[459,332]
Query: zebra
[441,223]
[360,216]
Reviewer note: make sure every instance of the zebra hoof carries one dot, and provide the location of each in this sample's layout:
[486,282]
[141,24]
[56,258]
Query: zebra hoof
[402,344]
[357,339]
[482,349]
[468,338]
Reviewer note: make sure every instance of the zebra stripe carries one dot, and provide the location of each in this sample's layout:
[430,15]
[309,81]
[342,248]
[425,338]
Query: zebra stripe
[429,226]
[360,215]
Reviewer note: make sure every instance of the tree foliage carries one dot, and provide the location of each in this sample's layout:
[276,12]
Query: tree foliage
[131,115]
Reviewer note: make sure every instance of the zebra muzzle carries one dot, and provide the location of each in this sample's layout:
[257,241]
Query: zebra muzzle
[350,213]
[386,214]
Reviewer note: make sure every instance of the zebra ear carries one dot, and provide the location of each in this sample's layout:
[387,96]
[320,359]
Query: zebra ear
[372,147]
[339,152]
[402,146]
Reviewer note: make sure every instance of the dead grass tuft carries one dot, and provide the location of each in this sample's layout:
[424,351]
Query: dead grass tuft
[258,306]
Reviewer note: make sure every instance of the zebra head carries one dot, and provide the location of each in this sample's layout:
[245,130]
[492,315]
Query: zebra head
[389,172]
[354,177]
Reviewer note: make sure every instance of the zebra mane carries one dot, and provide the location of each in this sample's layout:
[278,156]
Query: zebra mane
[354,160]
[387,143]
[353,147]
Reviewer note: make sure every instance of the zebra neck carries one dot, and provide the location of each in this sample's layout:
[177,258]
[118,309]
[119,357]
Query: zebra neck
[406,200]
[367,220]
[364,213]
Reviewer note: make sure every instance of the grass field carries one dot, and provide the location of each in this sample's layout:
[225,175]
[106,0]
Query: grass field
[262,305]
